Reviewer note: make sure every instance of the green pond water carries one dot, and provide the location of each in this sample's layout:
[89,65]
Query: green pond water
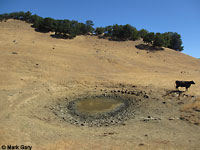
[98,105]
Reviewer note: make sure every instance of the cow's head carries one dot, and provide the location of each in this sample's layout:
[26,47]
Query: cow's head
[192,82]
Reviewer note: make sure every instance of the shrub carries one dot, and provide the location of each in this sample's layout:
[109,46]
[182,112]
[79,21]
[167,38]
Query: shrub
[149,38]
[99,30]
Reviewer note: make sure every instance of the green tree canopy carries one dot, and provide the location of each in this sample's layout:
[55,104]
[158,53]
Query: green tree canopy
[142,33]
[108,31]
[71,28]
[149,38]
[175,41]
[158,40]
[99,30]
[89,25]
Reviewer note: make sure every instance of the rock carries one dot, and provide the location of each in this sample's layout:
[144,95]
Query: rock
[175,94]
[110,133]
[171,118]
[180,103]
[151,118]
[105,134]
[14,53]
[132,93]
[196,109]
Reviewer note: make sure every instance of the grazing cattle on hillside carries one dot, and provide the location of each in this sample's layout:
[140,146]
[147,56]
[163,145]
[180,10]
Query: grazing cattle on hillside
[185,84]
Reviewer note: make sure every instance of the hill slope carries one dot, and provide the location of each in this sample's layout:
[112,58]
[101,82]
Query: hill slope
[37,69]
[89,57]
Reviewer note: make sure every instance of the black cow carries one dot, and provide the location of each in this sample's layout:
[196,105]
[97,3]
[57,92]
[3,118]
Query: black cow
[185,84]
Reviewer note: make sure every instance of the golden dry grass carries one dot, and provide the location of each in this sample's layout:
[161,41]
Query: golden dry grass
[46,70]
[192,105]
[87,58]
[191,112]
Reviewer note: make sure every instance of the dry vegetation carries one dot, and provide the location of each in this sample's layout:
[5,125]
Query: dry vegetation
[191,112]
[195,105]
[38,72]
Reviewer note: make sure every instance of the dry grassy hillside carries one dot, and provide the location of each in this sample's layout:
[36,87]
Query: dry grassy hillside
[37,70]
[87,58]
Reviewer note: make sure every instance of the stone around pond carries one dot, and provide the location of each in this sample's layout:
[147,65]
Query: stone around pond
[100,110]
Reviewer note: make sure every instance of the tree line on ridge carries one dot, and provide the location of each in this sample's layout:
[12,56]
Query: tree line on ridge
[71,28]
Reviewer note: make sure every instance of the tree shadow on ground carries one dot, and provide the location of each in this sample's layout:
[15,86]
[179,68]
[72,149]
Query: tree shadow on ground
[148,47]
[60,36]
[39,30]
[116,39]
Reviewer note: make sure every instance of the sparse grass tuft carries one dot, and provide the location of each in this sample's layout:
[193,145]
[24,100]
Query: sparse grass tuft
[195,105]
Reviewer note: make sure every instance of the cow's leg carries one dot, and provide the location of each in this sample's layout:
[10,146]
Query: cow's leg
[187,87]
